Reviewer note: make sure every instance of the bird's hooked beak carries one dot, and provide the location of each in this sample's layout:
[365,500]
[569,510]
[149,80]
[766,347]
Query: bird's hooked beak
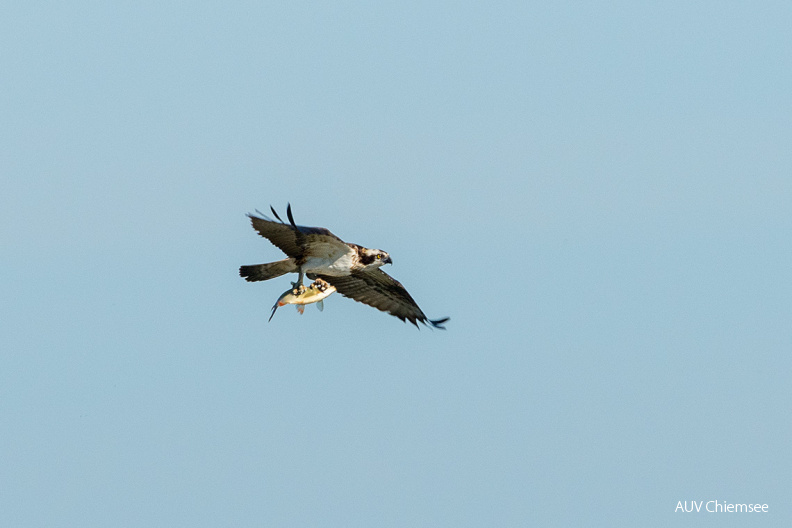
[388,260]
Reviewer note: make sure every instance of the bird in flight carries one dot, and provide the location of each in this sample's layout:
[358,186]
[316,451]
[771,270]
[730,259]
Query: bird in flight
[353,270]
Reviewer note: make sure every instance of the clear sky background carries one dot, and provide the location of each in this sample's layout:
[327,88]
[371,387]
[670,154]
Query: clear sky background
[597,194]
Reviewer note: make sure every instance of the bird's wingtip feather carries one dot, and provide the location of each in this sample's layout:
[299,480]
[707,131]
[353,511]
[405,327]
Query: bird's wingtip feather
[438,323]
[289,214]
[276,214]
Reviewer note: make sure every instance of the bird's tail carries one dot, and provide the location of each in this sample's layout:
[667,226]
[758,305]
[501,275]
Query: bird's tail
[260,272]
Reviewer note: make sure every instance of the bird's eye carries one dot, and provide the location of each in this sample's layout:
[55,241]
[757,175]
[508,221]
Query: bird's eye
[379,257]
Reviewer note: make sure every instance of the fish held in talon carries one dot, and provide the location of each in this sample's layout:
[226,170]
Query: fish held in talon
[299,295]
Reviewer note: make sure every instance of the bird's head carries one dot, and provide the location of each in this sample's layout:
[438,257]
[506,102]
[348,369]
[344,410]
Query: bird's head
[374,258]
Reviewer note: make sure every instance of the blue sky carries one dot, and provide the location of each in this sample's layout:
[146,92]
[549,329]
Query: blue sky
[597,195]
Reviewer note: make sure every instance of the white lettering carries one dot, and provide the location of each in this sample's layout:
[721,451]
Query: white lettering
[715,506]
[693,506]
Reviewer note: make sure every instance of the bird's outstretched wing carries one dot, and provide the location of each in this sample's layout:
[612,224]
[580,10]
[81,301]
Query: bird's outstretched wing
[381,291]
[291,238]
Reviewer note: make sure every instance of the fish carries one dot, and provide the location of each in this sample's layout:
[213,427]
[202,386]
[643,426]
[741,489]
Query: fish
[299,295]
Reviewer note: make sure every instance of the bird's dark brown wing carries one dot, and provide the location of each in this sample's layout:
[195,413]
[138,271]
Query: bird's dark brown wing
[381,291]
[292,239]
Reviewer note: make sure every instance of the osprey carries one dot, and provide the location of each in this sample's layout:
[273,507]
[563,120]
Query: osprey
[353,270]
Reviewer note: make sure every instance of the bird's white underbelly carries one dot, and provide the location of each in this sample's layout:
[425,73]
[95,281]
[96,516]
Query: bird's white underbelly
[337,266]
